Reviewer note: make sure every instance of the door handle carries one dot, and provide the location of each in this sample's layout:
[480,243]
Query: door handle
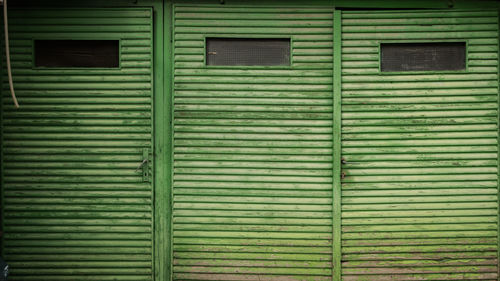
[144,166]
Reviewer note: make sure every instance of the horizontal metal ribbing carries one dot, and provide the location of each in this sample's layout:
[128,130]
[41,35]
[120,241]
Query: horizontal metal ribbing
[74,207]
[420,196]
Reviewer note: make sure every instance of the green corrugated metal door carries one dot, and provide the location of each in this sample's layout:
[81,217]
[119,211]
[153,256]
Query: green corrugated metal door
[253,149]
[74,206]
[419,200]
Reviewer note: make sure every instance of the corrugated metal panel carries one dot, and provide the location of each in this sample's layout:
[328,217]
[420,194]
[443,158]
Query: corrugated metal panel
[253,150]
[75,208]
[420,193]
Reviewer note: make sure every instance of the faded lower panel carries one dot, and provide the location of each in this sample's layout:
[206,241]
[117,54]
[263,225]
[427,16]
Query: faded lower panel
[74,206]
[420,197]
[253,150]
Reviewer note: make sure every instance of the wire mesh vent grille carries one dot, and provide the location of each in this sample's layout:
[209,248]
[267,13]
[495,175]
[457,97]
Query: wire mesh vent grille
[440,56]
[248,51]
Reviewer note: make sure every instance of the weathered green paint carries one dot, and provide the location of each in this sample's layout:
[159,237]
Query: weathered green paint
[253,149]
[337,165]
[3,72]
[342,4]
[457,115]
[498,156]
[74,207]
[162,138]
[421,152]
[169,68]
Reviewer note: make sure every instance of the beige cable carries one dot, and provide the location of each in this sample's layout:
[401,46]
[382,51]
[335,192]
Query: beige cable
[7,54]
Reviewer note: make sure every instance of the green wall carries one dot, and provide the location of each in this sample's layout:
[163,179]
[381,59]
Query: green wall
[73,205]
[471,131]
[420,196]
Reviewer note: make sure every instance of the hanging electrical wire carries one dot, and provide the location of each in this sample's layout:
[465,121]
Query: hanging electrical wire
[7,54]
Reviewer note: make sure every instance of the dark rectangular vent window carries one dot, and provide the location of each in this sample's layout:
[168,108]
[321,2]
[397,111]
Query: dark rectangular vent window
[77,53]
[248,51]
[443,56]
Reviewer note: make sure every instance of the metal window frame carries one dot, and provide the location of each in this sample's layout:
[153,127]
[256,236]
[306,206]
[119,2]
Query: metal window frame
[379,56]
[247,36]
[69,38]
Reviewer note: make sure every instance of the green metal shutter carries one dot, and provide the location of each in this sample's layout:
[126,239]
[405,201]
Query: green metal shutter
[420,197]
[74,207]
[253,149]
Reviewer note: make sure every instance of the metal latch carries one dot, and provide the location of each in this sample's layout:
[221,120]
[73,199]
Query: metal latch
[144,166]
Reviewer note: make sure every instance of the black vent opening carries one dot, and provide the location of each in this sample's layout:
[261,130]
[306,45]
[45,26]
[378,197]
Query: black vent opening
[77,53]
[439,56]
[248,51]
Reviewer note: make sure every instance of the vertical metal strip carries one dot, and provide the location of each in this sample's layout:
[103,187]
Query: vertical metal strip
[153,56]
[169,123]
[337,83]
[2,181]
[498,145]
[161,139]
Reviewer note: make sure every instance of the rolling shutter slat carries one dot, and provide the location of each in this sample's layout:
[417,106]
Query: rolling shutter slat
[252,150]
[420,197]
[74,209]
